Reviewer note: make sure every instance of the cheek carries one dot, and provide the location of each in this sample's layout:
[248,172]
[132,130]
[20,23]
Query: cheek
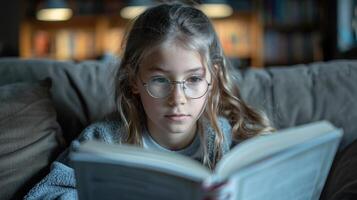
[151,105]
[198,105]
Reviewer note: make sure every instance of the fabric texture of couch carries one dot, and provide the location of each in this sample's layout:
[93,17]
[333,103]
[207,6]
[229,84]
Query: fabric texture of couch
[82,93]
[30,136]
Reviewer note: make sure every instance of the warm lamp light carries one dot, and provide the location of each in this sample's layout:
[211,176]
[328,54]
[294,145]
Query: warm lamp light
[131,12]
[216,9]
[54,10]
[134,8]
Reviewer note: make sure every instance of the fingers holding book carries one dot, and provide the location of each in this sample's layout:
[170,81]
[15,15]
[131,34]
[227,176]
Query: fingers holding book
[216,191]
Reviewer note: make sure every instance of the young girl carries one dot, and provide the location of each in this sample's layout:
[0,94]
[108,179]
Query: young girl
[174,92]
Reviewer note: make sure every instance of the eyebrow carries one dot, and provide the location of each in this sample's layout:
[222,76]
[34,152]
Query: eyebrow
[156,68]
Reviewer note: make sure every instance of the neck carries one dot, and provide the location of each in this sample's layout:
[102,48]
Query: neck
[173,141]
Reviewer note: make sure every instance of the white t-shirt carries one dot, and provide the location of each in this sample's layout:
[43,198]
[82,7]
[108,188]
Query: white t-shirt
[194,150]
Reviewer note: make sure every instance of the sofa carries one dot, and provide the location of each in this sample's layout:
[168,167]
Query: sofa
[45,104]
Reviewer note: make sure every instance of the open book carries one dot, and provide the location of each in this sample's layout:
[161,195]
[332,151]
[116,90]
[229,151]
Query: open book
[288,164]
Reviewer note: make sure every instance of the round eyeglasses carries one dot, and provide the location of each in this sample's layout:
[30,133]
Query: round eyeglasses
[194,87]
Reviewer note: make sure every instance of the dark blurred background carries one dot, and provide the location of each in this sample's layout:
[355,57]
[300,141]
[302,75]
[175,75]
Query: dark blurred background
[253,32]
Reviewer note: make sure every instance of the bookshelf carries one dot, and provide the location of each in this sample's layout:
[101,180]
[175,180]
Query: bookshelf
[269,32]
[241,37]
[292,31]
[77,39]
[90,36]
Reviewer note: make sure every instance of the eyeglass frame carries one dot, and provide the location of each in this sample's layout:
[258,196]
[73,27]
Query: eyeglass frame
[171,88]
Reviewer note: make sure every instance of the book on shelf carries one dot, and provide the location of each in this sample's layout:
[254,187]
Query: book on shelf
[67,44]
[234,36]
[42,42]
[289,164]
[113,40]
[84,45]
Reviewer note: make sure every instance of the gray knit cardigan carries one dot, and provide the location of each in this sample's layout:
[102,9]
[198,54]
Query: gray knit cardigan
[60,183]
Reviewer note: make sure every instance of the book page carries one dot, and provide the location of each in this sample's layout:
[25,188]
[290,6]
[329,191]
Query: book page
[297,175]
[107,181]
[132,156]
[253,150]
[292,164]
[108,171]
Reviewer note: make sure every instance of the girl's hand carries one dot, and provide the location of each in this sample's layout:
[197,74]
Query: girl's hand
[216,192]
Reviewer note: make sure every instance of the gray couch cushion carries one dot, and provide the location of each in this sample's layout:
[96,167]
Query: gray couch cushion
[29,136]
[82,93]
[305,93]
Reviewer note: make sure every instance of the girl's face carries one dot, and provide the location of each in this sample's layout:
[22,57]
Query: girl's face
[175,115]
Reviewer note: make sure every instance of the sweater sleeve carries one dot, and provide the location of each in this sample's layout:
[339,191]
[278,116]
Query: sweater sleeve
[60,182]
[227,133]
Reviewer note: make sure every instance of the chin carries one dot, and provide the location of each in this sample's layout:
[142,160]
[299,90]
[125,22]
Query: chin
[178,129]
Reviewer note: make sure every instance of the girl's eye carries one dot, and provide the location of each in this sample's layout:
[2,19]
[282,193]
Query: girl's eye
[194,79]
[159,80]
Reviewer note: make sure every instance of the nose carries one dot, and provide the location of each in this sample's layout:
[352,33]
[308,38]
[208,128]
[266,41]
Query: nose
[177,95]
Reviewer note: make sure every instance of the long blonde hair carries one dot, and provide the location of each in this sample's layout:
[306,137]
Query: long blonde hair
[191,29]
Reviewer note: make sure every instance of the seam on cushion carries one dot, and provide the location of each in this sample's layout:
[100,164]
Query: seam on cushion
[313,75]
[25,108]
[79,94]
[272,98]
[39,140]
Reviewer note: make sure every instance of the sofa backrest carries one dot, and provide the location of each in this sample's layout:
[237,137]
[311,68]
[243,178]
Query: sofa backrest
[83,92]
[300,94]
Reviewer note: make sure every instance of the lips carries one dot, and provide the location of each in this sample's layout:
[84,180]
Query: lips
[177,117]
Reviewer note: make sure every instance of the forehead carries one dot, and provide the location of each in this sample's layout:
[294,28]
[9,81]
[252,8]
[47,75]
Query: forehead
[171,58]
